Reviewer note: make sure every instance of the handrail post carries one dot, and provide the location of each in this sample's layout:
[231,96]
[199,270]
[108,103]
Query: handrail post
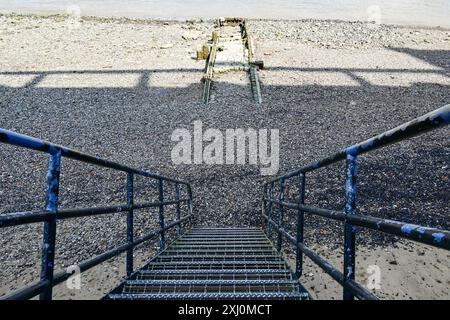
[269,213]
[349,230]
[177,195]
[281,215]
[189,190]
[264,204]
[48,247]
[130,228]
[162,243]
[300,225]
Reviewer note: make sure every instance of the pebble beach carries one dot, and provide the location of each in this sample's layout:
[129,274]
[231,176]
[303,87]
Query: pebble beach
[117,88]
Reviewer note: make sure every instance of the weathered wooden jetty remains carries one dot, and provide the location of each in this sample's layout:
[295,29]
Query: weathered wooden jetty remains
[231,49]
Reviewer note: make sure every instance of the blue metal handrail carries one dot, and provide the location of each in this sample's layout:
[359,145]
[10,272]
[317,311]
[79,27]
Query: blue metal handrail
[52,213]
[426,235]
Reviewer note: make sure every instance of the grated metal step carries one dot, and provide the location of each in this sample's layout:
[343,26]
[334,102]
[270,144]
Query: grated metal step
[220,253]
[222,240]
[209,296]
[210,275]
[214,263]
[223,246]
[217,258]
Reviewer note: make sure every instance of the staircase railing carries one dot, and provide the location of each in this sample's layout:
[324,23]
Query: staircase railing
[51,214]
[349,216]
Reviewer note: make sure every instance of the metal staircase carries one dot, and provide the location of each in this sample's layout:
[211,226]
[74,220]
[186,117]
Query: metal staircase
[214,263]
[219,263]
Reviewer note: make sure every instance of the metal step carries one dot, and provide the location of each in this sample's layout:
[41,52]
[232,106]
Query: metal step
[208,265]
[234,242]
[223,235]
[244,229]
[209,286]
[222,239]
[220,252]
[209,282]
[235,271]
[214,263]
[224,232]
[285,276]
[223,246]
[230,243]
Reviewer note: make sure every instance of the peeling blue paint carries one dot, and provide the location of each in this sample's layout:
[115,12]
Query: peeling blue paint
[438,237]
[393,221]
[53,181]
[25,141]
[352,150]
[422,230]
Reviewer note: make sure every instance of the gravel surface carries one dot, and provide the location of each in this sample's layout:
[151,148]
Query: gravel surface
[346,35]
[117,89]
